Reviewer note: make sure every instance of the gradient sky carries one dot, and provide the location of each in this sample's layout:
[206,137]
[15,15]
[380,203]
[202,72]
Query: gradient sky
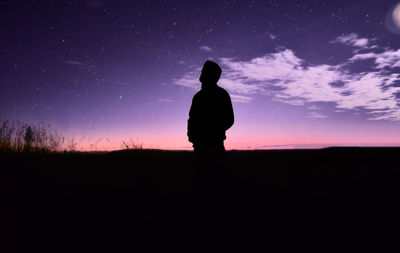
[301,74]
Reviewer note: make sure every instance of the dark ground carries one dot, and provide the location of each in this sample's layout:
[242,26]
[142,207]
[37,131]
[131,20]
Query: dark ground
[329,200]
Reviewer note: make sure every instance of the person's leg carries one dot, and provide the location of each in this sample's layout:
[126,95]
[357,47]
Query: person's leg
[212,175]
[203,187]
[221,178]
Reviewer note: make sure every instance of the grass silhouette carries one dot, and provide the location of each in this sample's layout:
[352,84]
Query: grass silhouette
[23,137]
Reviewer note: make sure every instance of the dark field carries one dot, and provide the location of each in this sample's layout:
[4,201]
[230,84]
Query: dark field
[337,199]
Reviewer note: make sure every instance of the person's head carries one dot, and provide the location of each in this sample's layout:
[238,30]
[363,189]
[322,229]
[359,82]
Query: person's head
[210,73]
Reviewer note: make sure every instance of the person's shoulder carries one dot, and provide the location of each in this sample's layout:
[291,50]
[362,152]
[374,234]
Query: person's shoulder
[197,94]
[222,91]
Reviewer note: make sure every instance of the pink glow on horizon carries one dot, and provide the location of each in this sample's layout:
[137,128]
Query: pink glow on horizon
[249,136]
[239,143]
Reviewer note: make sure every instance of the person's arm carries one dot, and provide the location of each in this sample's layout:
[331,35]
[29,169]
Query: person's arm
[229,118]
[191,126]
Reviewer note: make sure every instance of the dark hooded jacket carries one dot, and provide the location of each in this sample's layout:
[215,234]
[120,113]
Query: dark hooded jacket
[210,115]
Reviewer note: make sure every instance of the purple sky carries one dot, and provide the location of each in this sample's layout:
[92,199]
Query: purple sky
[300,73]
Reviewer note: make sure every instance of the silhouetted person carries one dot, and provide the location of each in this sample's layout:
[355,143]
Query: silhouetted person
[211,113]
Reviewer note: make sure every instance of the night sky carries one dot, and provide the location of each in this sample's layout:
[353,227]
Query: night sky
[301,74]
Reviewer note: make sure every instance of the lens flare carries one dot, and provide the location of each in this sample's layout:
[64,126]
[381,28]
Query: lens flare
[393,19]
[396,15]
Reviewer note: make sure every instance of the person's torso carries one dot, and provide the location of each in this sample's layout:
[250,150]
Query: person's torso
[211,114]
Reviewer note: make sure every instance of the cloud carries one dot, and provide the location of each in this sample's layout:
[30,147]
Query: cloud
[75,63]
[286,78]
[81,65]
[190,79]
[268,67]
[206,49]
[314,107]
[272,36]
[389,58]
[287,146]
[316,115]
[165,100]
[241,99]
[352,39]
